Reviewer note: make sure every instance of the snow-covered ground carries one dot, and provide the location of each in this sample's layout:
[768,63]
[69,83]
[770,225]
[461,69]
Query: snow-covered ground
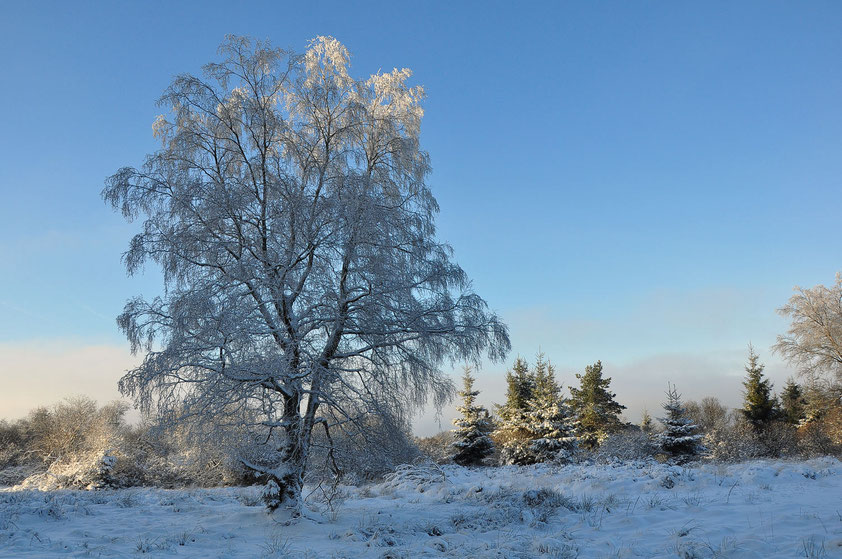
[757,509]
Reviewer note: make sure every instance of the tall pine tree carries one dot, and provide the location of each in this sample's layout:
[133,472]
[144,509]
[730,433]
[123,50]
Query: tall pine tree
[595,408]
[758,403]
[471,435]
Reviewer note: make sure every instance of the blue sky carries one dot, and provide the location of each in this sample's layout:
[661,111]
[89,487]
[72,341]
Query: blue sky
[641,183]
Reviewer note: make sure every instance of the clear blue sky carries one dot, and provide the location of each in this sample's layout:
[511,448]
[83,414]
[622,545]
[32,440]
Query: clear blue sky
[637,182]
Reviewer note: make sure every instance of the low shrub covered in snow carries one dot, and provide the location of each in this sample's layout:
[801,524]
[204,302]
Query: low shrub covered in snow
[438,447]
[80,445]
[627,444]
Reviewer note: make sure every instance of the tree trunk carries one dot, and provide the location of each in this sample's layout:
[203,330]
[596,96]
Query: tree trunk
[286,480]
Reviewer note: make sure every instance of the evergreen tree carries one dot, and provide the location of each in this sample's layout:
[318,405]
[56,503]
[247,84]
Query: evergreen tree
[544,386]
[550,423]
[758,404]
[680,438]
[793,403]
[646,422]
[541,427]
[471,435]
[594,406]
[519,387]
[513,428]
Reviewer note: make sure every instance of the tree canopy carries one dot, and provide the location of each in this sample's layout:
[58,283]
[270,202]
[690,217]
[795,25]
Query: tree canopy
[289,211]
[813,342]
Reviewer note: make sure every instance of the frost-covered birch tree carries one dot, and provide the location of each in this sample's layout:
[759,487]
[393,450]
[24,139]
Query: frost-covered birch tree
[289,211]
[813,342]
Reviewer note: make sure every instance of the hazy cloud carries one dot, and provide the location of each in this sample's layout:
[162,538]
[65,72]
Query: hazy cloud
[42,372]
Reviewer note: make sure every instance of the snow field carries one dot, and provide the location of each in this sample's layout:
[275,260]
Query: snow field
[757,509]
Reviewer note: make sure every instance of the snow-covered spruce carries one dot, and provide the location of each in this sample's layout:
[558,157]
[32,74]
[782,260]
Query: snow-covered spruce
[536,423]
[513,426]
[472,440]
[679,438]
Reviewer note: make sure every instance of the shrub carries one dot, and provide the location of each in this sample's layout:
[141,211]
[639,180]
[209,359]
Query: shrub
[740,440]
[437,448]
[822,436]
[364,450]
[187,454]
[71,444]
[628,444]
[710,414]
[733,441]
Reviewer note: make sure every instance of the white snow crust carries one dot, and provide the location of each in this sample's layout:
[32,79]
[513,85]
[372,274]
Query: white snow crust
[758,509]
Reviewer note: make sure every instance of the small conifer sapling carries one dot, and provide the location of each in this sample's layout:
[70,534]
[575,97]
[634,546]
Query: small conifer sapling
[472,441]
[680,438]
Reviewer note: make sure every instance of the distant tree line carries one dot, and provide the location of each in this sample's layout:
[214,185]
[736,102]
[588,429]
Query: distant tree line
[539,423]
